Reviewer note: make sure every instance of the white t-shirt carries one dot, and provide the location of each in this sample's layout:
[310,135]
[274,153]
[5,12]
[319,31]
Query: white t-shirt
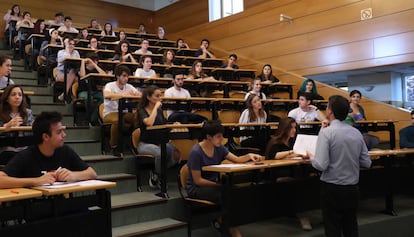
[244,119]
[262,95]
[173,92]
[140,51]
[111,106]
[303,116]
[141,73]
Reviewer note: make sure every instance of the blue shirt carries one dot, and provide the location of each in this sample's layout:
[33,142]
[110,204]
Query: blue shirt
[340,151]
[198,159]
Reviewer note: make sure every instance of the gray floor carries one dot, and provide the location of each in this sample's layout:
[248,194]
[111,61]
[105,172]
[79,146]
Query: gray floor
[371,222]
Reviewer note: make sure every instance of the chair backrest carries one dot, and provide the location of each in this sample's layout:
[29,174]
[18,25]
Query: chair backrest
[101,108]
[136,134]
[229,116]
[75,87]
[237,94]
[183,176]
[184,146]
[55,71]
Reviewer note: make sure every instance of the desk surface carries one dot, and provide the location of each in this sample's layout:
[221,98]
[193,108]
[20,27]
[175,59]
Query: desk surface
[394,152]
[83,186]
[232,168]
[13,194]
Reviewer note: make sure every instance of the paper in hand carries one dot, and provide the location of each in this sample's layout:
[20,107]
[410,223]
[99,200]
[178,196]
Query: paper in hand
[305,143]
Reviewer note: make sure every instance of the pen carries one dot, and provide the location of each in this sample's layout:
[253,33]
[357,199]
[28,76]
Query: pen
[58,169]
[14,191]
[43,172]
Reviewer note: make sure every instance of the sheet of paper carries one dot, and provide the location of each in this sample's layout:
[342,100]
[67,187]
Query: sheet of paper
[56,185]
[230,165]
[305,143]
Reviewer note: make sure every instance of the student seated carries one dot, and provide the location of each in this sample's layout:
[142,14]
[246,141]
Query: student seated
[177,91]
[407,134]
[72,75]
[145,71]
[141,29]
[309,86]
[255,88]
[180,44]
[144,47]
[5,70]
[90,65]
[67,26]
[306,112]
[267,74]
[94,25]
[281,147]
[357,113]
[112,90]
[203,52]
[254,113]
[210,151]
[231,62]
[14,112]
[150,114]
[107,30]
[123,53]
[58,21]
[48,161]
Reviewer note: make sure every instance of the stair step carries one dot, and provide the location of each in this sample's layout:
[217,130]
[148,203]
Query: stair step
[135,199]
[85,147]
[62,108]
[125,183]
[41,98]
[100,158]
[38,89]
[149,228]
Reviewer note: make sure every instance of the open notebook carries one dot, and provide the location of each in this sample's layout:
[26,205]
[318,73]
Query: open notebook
[305,143]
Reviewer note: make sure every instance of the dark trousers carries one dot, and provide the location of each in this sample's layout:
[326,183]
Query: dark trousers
[186,117]
[210,193]
[339,207]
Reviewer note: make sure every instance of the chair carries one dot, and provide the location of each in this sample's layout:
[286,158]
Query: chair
[141,160]
[192,205]
[58,87]
[184,146]
[237,94]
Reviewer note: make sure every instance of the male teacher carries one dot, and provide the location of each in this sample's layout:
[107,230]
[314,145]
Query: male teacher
[340,152]
[49,160]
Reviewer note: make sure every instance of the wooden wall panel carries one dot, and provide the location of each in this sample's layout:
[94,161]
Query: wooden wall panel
[83,11]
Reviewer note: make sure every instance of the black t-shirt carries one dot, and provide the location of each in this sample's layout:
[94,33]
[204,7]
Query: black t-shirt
[31,162]
[275,148]
[152,136]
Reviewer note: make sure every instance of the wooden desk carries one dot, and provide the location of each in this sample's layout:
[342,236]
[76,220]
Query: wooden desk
[58,213]
[379,125]
[14,194]
[275,87]
[263,198]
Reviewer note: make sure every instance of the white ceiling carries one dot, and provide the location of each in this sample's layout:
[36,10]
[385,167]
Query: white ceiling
[152,5]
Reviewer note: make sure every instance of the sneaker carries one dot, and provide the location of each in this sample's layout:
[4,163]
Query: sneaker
[61,97]
[154,181]
[305,223]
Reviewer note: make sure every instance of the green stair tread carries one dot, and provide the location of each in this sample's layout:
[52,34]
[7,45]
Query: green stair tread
[147,227]
[134,199]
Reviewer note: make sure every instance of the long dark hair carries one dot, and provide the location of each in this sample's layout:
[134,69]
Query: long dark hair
[12,10]
[110,31]
[192,70]
[249,105]
[5,108]
[285,124]
[145,94]
[271,76]
[118,49]
[36,28]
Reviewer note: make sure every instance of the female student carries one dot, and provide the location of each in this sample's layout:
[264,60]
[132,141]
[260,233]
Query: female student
[55,39]
[108,30]
[254,113]
[309,86]
[281,147]
[210,151]
[255,89]
[149,114]
[146,70]
[357,113]
[267,74]
[12,14]
[180,44]
[14,112]
[72,75]
[141,29]
[161,33]
[123,53]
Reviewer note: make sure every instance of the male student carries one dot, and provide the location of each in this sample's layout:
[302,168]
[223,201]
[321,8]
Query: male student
[306,112]
[231,62]
[177,91]
[203,52]
[407,134]
[49,160]
[340,152]
[113,91]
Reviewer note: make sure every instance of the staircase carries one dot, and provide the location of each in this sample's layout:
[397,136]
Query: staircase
[133,213]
